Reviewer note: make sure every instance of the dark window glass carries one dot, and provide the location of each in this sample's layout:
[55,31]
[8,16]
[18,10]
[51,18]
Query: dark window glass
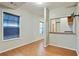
[10,26]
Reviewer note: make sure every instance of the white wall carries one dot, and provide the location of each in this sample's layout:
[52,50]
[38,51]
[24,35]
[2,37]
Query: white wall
[64,40]
[77,27]
[29,26]
[61,12]
[46,26]
[64,26]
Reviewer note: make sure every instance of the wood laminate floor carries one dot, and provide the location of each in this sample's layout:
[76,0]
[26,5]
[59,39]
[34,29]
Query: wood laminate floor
[37,49]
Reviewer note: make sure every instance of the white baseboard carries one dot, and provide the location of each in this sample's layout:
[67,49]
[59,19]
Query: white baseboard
[77,53]
[62,47]
[18,46]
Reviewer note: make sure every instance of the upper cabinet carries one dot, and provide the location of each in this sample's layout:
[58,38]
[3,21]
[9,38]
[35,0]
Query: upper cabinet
[70,20]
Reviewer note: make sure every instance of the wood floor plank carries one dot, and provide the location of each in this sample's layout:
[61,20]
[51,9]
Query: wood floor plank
[37,49]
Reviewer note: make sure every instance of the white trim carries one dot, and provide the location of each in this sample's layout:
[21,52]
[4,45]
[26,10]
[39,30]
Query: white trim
[18,46]
[45,46]
[77,53]
[2,27]
[62,47]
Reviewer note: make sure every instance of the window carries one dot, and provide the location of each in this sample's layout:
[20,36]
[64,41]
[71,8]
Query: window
[10,26]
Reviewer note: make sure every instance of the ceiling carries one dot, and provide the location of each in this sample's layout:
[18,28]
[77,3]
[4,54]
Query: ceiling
[37,8]
[11,5]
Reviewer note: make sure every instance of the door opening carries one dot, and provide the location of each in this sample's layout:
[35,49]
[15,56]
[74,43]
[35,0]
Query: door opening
[41,29]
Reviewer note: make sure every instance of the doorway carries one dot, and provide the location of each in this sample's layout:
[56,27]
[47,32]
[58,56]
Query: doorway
[41,29]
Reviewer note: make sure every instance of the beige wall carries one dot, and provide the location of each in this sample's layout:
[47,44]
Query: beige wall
[29,29]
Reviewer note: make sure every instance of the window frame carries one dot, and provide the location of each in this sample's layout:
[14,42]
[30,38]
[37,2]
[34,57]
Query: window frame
[3,27]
